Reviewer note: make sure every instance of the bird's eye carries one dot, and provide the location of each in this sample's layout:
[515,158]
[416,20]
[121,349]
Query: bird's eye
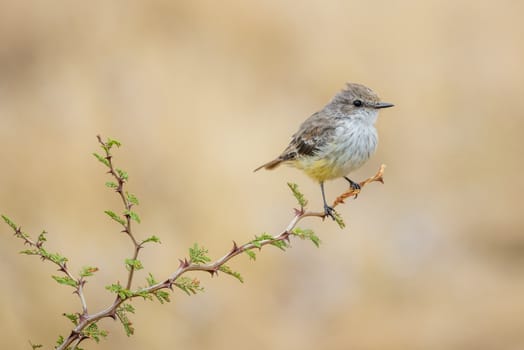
[357,103]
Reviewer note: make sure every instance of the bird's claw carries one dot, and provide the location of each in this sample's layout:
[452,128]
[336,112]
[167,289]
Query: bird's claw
[329,211]
[354,186]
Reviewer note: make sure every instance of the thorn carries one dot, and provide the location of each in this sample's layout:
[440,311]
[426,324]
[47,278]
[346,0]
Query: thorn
[234,249]
[183,263]
[169,285]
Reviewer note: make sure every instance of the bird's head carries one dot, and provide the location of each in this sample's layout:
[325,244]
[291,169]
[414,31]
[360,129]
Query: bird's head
[357,102]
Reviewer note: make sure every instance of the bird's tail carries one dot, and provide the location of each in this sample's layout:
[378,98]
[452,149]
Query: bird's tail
[270,165]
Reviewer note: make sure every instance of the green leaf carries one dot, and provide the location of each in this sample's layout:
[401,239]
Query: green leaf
[132,198]
[30,252]
[110,143]
[88,271]
[92,331]
[36,346]
[198,255]
[306,234]
[122,174]
[115,217]
[66,280]
[101,159]
[60,340]
[188,285]
[133,264]
[121,312]
[144,294]
[153,239]
[302,201]
[257,242]
[267,238]
[128,308]
[226,269]
[252,255]
[10,223]
[280,244]
[162,296]
[121,291]
[72,317]
[151,280]
[111,184]
[132,215]
[55,257]
[41,239]
[338,219]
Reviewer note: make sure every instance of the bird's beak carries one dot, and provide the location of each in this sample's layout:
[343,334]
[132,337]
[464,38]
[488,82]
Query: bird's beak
[383,105]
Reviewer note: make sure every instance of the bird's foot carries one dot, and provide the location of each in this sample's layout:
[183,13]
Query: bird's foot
[329,211]
[354,186]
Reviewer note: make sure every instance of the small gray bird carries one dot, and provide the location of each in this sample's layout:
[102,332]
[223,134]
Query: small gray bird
[336,140]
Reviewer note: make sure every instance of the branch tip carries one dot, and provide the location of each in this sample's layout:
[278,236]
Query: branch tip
[378,177]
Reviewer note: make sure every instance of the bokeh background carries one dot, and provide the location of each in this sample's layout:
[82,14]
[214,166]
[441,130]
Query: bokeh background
[202,92]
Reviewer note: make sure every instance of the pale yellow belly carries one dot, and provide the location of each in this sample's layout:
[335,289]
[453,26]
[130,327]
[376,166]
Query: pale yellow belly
[323,169]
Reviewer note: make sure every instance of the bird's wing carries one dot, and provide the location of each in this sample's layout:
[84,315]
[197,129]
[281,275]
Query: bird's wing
[315,132]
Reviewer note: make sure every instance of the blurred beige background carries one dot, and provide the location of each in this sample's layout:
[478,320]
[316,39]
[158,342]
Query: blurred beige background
[202,92]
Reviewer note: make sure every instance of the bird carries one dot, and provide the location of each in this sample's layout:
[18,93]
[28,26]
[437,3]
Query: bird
[336,140]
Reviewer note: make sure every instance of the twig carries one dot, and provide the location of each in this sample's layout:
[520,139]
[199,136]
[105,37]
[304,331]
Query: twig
[354,192]
[57,259]
[127,205]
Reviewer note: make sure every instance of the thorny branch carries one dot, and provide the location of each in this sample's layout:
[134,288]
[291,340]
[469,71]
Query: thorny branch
[214,267]
[127,205]
[58,260]
[85,320]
